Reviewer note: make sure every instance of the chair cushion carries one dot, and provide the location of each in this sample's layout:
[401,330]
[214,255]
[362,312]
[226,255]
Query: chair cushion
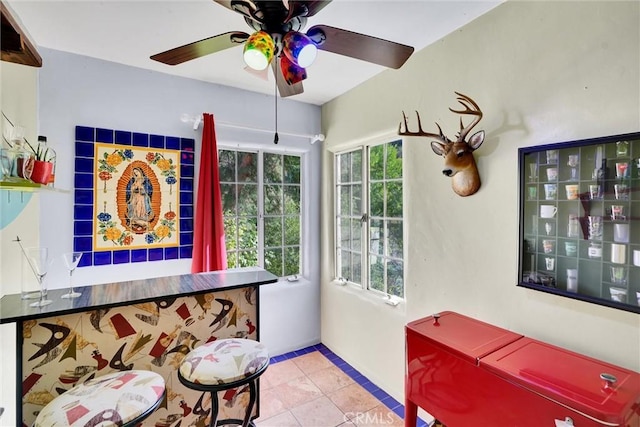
[224,361]
[120,397]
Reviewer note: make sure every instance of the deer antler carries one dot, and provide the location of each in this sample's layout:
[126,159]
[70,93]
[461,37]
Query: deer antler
[440,137]
[470,108]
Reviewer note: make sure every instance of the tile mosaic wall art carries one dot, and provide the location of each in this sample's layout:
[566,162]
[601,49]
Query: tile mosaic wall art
[133,196]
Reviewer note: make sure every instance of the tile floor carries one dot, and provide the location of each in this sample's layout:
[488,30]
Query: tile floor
[313,387]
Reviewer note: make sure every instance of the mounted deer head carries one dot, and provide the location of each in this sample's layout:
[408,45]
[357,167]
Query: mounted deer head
[459,163]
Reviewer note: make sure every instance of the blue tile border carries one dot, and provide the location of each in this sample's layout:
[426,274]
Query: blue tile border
[376,391]
[84,222]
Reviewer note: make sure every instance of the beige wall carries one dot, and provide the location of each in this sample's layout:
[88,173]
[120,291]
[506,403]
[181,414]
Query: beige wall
[542,72]
[19,103]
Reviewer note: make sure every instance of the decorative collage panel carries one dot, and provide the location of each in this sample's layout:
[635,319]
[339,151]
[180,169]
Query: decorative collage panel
[62,351]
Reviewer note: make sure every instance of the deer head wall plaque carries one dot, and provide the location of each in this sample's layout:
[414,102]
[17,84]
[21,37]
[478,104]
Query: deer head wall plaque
[459,163]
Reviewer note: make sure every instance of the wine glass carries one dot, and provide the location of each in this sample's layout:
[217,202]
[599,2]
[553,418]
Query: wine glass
[71,260]
[40,261]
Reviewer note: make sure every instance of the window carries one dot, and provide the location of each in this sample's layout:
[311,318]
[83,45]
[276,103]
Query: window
[262,210]
[369,241]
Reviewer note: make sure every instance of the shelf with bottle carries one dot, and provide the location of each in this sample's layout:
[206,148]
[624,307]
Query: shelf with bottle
[25,166]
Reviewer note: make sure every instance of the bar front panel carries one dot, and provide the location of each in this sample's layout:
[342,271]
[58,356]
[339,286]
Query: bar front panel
[63,350]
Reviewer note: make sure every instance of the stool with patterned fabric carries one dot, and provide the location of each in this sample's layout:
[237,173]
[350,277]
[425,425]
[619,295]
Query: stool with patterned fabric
[223,365]
[118,399]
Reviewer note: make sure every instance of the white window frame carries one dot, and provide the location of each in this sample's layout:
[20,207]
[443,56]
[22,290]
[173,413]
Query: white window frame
[304,214]
[365,254]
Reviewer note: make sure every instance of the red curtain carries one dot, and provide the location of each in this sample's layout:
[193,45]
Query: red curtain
[209,251]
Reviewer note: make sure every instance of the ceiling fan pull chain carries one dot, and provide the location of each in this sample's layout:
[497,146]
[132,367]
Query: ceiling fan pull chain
[275,137]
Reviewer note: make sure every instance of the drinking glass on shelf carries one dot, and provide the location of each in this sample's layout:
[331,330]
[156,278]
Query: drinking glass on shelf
[572,162]
[622,148]
[39,261]
[71,260]
[534,171]
[6,163]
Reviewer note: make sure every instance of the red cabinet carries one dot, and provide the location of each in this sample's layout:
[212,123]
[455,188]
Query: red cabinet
[468,373]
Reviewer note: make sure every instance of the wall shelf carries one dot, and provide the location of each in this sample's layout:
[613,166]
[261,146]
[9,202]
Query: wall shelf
[26,185]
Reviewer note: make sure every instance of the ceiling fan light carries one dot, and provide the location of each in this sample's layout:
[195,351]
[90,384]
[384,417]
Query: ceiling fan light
[291,72]
[307,55]
[258,50]
[299,48]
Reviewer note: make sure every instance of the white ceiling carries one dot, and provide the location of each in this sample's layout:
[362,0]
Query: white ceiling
[128,32]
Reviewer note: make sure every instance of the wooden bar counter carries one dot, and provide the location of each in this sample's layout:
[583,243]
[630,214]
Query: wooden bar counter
[141,324]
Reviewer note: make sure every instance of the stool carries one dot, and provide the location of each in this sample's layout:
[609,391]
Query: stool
[223,365]
[122,398]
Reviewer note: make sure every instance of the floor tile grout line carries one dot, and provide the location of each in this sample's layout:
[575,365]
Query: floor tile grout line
[356,376]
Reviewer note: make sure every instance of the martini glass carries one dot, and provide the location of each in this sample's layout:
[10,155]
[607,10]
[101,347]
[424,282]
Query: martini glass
[40,261]
[71,260]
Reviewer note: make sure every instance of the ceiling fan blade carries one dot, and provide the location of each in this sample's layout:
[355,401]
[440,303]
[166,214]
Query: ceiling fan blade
[360,46]
[284,88]
[201,48]
[225,3]
[261,74]
[306,8]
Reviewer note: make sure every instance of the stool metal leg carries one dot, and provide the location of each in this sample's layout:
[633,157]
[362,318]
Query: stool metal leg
[214,409]
[252,401]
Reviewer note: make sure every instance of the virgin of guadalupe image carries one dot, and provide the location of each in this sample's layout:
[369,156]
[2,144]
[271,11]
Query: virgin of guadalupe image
[138,199]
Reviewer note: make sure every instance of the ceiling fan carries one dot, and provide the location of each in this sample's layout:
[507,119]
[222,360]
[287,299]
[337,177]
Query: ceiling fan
[278,40]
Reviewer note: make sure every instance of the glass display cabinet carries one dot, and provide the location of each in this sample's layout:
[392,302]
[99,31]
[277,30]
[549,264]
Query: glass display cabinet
[580,220]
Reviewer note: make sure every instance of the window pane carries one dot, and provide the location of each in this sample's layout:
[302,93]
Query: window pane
[273,261]
[272,168]
[395,238]
[292,230]
[248,168]
[376,162]
[394,199]
[376,273]
[357,267]
[232,259]
[248,200]
[376,199]
[356,235]
[272,200]
[273,232]
[395,285]
[292,199]
[393,168]
[292,169]
[248,233]
[345,263]
[376,237]
[248,258]
[345,233]
[344,165]
[228,196]
[356,200]
[230,229]
[291,261]
[356,166]
[345,200]
[227,165]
